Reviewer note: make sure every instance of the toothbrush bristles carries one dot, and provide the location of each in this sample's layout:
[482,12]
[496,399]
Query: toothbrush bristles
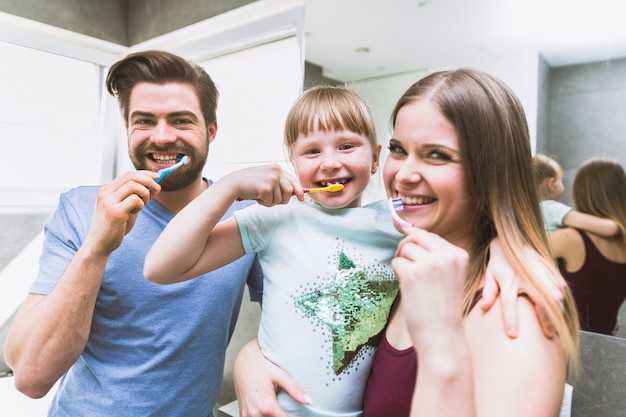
[395,205]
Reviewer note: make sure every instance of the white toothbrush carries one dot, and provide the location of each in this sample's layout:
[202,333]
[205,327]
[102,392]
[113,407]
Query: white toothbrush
[395,205]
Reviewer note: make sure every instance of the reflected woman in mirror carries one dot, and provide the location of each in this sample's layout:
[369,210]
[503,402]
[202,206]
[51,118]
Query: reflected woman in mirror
[556,215]
[595,266]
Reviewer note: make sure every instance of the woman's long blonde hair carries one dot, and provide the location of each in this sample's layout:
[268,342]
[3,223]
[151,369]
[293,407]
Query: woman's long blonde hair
[495,148]
[599,188]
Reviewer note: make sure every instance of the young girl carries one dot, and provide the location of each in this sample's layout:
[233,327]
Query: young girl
[556,215]
[328,282]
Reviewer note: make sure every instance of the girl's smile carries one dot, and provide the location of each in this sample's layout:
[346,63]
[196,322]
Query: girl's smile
[344,157]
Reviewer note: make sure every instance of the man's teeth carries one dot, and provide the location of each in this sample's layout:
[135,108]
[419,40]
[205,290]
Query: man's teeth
[165,159]
[417,201]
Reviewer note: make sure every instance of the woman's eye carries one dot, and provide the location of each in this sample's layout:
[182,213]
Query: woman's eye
[397,149]
[439,155]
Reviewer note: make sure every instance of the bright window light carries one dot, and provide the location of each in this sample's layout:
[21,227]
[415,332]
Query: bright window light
[48,120]
[257,87]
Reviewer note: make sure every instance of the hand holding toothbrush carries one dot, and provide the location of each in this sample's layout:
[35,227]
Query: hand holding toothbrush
[293,184]
[269,185]
[501,280]
[207,244]
[117,206]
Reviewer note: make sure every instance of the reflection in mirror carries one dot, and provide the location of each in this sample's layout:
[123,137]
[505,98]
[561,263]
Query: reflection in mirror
[564,59]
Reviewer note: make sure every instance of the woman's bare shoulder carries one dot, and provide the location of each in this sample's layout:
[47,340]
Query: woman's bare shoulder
[530,368]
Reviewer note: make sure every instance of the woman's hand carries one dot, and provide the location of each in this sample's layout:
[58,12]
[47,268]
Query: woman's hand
[432,274]
[257,380]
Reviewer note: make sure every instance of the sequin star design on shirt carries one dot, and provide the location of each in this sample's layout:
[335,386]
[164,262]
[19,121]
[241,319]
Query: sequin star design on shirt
[355,306]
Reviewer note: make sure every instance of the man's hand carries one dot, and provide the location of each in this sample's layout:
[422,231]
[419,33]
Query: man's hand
[257,380]
[117,206]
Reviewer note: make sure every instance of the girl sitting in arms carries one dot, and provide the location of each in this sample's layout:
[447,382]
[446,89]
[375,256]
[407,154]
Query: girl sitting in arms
[328,283]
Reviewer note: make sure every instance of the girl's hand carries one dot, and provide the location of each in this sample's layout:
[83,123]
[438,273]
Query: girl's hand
[432,274]
[502,281]
[269,185]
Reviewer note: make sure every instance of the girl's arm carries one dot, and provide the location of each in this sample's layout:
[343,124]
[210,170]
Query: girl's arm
[593,224]
[195,242]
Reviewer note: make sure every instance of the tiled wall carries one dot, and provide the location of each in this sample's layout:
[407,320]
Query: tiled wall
[585,115]
[600,386]
[120,21]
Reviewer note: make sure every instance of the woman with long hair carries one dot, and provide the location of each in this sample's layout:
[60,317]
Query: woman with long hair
[593,265]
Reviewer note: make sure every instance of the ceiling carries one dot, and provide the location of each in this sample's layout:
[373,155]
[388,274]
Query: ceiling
[407,35]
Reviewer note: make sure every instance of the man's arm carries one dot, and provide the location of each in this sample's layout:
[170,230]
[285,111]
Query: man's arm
[51,331]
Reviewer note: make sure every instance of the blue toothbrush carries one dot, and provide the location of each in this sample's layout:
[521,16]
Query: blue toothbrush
[163,172]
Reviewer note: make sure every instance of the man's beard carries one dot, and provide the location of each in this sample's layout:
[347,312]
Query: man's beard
[181,177]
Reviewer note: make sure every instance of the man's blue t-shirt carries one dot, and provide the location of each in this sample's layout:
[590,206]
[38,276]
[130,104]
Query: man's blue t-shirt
[153,350]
